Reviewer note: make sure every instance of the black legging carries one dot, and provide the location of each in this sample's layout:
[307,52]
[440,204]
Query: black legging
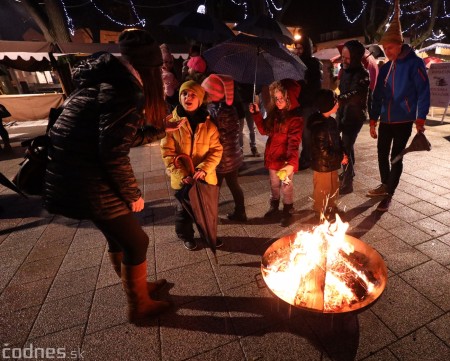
[125,234]
[235,188]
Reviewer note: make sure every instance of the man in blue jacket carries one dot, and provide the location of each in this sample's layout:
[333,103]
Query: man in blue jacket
[401,97]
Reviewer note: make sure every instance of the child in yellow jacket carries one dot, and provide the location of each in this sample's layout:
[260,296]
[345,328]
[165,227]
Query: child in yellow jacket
[197,137]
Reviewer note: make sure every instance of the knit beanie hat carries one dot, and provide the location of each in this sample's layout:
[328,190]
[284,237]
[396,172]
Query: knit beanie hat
[325,100]
[197,63]
[393,33]
[219,86]
[139,48]
[195,87]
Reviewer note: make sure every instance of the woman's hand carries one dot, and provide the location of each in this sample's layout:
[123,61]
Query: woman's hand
[253,108]
[138,205]
[344,160]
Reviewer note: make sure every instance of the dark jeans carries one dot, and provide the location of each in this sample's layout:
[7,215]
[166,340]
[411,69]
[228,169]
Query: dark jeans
[348,141]
[392,139]
[125,234]
[184,225]
[235,189]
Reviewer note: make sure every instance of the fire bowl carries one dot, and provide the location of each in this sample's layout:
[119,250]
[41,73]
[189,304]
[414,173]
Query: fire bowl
[363,257]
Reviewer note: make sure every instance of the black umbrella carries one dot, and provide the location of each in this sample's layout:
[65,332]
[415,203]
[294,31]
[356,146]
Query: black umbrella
[200,27]
[201,201]
[253,60]
[265,27]
[8,184]
[419,143]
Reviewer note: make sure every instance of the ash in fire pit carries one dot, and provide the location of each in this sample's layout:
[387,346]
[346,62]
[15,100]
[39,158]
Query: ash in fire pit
[324,270]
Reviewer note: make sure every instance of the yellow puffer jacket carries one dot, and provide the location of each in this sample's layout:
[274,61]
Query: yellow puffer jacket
[205,151]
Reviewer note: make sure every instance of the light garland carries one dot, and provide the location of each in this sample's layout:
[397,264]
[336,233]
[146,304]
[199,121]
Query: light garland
[140,22]
[364,4]
[69,20]
[268,9]
[244,4]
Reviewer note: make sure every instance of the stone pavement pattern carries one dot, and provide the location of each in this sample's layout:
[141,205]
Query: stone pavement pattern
[58,289]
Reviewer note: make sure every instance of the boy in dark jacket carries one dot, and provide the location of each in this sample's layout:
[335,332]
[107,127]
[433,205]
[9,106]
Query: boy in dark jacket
[326,153]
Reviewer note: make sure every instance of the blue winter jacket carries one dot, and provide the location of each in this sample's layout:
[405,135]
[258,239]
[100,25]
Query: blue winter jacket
[402,92]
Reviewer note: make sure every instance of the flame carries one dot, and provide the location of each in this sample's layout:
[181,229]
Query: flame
[316,270]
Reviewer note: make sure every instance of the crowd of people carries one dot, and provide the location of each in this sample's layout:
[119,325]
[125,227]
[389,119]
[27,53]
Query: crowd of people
[139,98]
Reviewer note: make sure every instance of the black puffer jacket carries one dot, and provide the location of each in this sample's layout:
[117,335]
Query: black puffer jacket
[354,89]
[226,119]
[326,146]
[89,174]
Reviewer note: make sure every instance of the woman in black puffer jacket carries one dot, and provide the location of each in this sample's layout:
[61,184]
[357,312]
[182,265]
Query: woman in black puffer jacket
[89,175]
[220,90]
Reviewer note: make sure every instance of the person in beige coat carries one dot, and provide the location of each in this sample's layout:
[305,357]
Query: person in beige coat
[197,137]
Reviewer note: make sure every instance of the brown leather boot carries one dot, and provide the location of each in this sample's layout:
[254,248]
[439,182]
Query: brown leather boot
[140,305]
[116,261]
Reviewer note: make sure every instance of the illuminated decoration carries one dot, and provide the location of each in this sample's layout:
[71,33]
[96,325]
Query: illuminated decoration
[244,4]
[140,22]
[415,10]
[201,9]
[364,4]
[68,19]
[436,37]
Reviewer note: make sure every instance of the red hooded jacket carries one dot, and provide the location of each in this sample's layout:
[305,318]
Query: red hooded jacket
[285,137]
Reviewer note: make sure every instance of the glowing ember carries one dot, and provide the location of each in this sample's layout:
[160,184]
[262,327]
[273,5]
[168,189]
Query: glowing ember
[323,271]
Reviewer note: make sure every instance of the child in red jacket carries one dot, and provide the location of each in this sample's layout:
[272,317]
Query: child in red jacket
[284,126]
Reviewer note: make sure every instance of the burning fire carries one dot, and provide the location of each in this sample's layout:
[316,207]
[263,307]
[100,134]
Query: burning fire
[320,270]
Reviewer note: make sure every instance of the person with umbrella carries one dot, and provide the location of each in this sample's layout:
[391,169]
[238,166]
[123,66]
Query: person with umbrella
[401,98]
[283,126]
[220,93]
[198,137]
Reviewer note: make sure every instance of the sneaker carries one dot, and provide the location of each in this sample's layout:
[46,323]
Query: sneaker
[384,204]
[255,152]
[219,243]
[190,244]
[381,190]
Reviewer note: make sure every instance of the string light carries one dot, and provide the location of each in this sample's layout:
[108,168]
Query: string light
[268,9]
[140,22]
[69,20]
[277,8]
[364,4]
[244,4]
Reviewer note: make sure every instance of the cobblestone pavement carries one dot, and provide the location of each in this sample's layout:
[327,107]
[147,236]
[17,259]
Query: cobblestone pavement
[60,295]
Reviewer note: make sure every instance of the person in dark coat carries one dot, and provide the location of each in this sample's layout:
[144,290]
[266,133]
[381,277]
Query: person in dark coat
[352,112]
[220,91]
[283,126]
[89,175]
[326,153]
[310,85]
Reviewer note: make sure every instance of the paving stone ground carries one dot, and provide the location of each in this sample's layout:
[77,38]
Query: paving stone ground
[58,292]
